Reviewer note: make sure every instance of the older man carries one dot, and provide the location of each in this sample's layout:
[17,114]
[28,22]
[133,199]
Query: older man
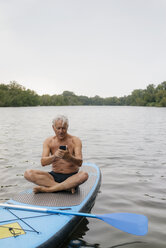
[64,152]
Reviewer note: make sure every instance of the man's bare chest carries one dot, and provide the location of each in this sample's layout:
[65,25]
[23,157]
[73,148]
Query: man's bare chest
[54,146]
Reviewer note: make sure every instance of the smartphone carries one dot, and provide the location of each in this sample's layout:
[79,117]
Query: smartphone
[62,147]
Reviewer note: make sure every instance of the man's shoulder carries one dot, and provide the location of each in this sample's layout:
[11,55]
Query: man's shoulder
[75,139]
[49,139]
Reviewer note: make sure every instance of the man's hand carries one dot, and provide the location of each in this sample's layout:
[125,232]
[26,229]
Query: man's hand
[64,154]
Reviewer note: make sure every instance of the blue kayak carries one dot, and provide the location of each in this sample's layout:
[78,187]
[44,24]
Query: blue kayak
[31,229]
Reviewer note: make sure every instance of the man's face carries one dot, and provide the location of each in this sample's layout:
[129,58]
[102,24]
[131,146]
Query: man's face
[60,129]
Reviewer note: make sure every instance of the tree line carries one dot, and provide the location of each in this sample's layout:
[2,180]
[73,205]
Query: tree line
[15,95]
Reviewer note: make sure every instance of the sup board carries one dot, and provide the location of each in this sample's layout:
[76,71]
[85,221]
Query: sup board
[28,229]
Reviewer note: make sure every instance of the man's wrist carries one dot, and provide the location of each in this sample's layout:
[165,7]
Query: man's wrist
[54,158]
[68,157]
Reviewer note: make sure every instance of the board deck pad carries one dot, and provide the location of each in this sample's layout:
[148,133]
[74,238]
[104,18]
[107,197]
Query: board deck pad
[60,199]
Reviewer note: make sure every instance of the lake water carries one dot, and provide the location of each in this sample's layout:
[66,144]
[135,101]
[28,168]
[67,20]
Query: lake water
[127,143]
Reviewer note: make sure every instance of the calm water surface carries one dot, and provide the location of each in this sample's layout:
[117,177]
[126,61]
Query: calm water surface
[127,143]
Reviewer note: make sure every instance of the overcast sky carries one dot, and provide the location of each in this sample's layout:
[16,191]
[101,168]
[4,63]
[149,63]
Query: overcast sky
[90,47]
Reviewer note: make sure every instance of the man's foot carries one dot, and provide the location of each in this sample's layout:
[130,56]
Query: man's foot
[73,190]
[40,189]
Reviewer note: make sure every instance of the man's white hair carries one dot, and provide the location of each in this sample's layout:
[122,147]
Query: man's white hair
[62,118]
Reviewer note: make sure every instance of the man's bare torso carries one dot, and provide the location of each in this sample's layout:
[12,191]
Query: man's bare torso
[60,165]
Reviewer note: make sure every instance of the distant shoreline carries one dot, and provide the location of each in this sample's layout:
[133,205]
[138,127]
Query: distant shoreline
[15,95]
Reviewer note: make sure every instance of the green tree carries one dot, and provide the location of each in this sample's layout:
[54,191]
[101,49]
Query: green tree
[45,100]
[149,95]
[97,100]
[114,101]
[160,95]
[15,95]
[84,100]
[137,98]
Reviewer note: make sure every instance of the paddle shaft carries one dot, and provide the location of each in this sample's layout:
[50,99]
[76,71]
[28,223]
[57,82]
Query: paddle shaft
[45,210]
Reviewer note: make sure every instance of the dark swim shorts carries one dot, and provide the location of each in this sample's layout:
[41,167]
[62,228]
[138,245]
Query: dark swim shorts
[59,177]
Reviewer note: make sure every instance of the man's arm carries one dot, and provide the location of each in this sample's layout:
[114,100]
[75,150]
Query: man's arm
[46,158]
[77,157]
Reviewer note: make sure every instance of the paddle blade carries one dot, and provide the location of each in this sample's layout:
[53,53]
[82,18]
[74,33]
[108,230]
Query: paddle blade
[131,223]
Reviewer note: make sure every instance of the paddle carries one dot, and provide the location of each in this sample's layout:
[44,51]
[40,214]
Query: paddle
[128,222]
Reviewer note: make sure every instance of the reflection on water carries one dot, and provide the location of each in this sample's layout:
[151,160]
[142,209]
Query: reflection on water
[76,239]
[127,143]
[82,244]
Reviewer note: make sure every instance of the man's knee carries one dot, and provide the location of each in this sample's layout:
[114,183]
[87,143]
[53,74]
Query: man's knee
[84,176]
[29,175]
